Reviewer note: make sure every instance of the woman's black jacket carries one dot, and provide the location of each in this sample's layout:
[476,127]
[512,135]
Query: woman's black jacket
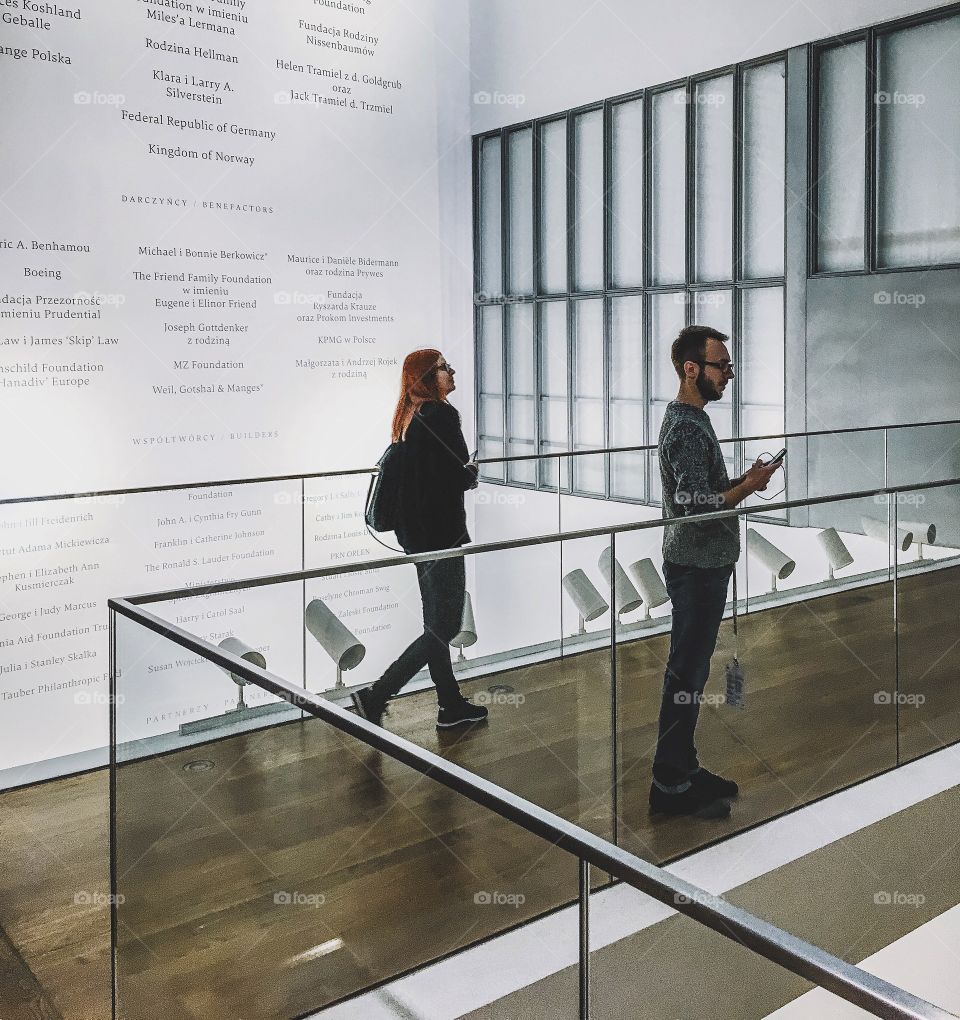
[435,477]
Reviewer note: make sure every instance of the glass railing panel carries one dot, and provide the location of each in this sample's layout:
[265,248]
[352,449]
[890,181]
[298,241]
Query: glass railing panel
[842,462]
[819,658]
[923,453]
[498,513]
[266,874]
[642,656]
[928,584]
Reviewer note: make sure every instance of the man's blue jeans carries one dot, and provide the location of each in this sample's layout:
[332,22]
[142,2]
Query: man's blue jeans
[699,595]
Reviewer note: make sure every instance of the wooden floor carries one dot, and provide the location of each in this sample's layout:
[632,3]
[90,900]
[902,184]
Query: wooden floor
[303,866]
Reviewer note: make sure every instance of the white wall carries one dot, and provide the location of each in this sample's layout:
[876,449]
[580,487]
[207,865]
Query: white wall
[540,56]
[340,182]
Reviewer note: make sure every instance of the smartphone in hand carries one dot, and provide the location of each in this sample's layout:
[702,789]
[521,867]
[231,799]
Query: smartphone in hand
[777,458]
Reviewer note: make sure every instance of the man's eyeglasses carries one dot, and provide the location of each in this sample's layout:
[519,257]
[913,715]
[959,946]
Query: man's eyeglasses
[724,366]
[445,368]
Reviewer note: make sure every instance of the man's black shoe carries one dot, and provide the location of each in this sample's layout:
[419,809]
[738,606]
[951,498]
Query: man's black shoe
[367,706]
[691,802]
[460,714]
[711,784]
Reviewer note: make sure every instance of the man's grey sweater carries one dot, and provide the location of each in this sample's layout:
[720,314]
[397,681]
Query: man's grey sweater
[694,478]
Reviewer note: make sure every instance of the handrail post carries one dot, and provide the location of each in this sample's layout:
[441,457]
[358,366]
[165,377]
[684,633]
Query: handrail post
[584,939]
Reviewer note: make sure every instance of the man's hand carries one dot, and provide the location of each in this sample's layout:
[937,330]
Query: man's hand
[756,479]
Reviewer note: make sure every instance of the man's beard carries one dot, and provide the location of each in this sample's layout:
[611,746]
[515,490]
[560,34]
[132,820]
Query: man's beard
[707,389]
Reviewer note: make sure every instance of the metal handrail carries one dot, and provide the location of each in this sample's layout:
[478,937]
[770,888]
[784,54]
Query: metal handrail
[517,543]
[843,979]
[182,486]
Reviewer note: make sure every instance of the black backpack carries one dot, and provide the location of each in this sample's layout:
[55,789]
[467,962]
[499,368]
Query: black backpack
[386,488]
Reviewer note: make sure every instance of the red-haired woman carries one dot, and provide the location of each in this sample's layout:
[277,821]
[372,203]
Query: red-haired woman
[436,473]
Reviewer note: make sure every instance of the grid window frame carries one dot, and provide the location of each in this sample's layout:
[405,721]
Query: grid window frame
[871,37]
[610,292]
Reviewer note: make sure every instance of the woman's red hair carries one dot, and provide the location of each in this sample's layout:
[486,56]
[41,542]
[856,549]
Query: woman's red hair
[418,384]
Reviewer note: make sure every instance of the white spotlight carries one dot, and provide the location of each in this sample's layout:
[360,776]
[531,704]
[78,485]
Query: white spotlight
[584,595]
[468,628]
[775,560]
[650,584]
[334,638]
[834,548]
[627,597]
[880,531]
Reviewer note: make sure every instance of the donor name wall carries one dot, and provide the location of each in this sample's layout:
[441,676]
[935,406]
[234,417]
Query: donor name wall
[218,226]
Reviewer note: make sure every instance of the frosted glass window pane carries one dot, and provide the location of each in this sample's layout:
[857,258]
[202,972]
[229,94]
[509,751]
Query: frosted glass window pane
[520,155]
[714,308]
[589,424]
[491,448]
[721,417]
[713,191]
[491,255]
[553,212]
[668,213]
[626,194]
[524,472]
[841,158]
[553,472]
[626,423]
[520,353]
[521,418]
[626,339]
[553,349]
[520,380]
[588,202]
[764,169]
[491,348]
[918,165]
[491,416]
[627,475]
[553,427]
[760,374]
[590,473]
[761,421]
[588,316]
[657,411]
[627,469]
[667,318]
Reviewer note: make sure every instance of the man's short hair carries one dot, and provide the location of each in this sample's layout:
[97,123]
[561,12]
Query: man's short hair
[691,345]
